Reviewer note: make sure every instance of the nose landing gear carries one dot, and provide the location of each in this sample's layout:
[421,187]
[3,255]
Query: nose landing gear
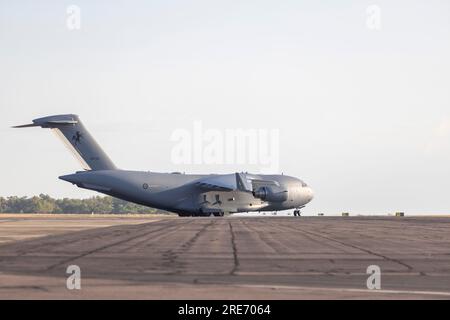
[297,213]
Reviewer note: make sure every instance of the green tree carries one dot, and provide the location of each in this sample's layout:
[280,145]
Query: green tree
[46,204]
[2,204]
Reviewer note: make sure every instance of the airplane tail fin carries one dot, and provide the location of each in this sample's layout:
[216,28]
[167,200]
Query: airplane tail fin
[75,136]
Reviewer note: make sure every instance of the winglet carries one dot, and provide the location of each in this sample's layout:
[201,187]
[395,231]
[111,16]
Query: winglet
[242,183]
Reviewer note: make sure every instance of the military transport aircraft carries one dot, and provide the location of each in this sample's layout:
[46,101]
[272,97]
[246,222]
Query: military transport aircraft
[185,194]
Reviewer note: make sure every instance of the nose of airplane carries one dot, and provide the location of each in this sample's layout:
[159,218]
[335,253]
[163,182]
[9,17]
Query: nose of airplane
[309,194]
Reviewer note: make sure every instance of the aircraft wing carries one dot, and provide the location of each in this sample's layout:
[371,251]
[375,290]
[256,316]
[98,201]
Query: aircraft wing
[231,182]
[222,183]
[226,182]
[264,183]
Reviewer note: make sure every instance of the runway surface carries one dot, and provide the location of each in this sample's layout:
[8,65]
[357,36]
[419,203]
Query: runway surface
[224,258]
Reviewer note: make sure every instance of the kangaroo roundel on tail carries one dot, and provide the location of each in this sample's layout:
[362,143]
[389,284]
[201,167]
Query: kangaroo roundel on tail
[79,141]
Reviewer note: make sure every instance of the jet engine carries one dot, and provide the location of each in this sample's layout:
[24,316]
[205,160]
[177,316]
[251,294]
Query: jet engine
[271,194]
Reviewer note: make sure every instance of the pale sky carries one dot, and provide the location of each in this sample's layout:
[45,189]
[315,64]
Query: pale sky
[363,114]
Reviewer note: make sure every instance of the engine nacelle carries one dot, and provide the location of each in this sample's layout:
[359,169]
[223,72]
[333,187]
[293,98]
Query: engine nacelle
[271,194]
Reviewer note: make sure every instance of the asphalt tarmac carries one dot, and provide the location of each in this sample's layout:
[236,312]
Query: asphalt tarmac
[224,258]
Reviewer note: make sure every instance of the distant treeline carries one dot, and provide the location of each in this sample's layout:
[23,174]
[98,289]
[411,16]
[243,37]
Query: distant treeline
[46,204]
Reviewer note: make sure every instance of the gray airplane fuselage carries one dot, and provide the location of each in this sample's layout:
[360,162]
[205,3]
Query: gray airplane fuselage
[178,192]
[187,195]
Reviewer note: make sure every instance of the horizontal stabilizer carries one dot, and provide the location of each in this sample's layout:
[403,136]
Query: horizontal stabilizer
[52,121]
[27,125]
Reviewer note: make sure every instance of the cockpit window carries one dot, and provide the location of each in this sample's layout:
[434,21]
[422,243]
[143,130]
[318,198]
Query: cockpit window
[303,184]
